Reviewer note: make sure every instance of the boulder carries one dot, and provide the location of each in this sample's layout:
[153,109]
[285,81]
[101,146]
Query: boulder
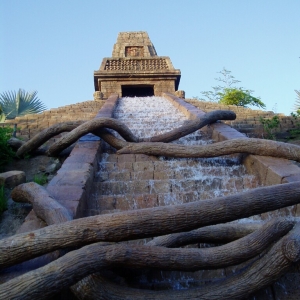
[11,179]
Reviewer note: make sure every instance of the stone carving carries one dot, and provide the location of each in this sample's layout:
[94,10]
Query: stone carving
[136,64]
[134,51]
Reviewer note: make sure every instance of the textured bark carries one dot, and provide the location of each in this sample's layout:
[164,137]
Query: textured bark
[110,139]
[145,223]
[42,137]
[95,125]
[221,233]
[45,207]
[15,143]
[67,270]
[243,145]
[91,126]
[192,125]
[263,272]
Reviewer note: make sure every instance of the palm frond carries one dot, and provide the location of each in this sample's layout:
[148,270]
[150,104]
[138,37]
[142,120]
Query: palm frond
[20,103]
[297,102]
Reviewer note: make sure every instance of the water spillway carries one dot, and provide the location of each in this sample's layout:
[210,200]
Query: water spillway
[136,181]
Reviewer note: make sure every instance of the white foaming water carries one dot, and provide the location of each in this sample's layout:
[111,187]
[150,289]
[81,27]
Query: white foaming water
[207,178]
[187,179]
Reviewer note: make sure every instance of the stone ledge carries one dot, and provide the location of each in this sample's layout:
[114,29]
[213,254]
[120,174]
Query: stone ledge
[269,170]
[72,184]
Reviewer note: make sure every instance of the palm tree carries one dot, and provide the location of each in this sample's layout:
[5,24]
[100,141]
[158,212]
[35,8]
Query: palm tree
[20,103]
[297,103]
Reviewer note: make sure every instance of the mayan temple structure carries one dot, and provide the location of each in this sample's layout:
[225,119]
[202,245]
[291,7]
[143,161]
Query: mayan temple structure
[135,69]
[150,195]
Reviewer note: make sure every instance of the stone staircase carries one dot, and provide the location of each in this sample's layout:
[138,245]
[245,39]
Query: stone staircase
[138,181]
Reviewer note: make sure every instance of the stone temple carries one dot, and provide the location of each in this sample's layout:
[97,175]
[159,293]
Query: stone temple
[135,69]
[94,180]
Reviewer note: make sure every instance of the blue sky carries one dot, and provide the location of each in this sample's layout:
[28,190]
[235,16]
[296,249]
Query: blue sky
[54,46]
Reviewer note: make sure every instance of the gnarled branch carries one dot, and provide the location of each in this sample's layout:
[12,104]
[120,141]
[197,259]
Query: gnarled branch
[127,225]
[192,125]
[243,145]
[263,272]
[45,207]
[42,137]
[77,264]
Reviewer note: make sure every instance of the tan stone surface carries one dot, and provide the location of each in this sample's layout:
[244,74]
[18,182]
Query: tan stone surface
[11,179]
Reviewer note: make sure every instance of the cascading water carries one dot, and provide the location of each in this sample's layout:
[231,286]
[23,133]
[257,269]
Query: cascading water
[122,185]
[150,116]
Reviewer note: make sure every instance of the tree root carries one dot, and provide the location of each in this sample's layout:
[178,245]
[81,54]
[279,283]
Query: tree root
[90,127]
[73,266]
[259,274]
[244,145]
[46,134]
[45,207]
[221,233]
[192,125]
[78,129]
[127,225]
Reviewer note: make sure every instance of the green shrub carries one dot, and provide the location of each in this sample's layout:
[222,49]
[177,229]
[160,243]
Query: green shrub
[227,92]
[40,179]
[3,200]
[270,125]
[6,153]
[294,133]
[239,97]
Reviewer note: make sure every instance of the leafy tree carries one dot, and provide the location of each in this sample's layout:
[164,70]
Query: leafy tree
[239,97]
[20,103]
[228,93]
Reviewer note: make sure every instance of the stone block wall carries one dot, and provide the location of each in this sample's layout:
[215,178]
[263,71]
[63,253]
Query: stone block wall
[160,86]
[137,38]
[30,125]
[248,120]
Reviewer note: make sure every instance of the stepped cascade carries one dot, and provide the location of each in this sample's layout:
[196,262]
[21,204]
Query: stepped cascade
[131,221]
[139,181]
[126,182]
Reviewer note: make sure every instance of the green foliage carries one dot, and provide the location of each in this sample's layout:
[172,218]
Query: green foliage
[228,93]
[2,115]
[6,153]
[294,133]
[40,179]
[20,103]
[297,103]
[239,97]
[3,199]
[270,125]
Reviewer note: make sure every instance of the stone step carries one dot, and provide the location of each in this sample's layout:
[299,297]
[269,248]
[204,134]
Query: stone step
[121,202]
[132,163]
[218,185]
[164,171]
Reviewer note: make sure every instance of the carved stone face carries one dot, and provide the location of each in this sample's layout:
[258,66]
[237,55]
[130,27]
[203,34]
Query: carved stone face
[134,51]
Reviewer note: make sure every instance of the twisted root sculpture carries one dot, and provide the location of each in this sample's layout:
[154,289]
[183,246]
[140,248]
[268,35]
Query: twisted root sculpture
[265,250]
